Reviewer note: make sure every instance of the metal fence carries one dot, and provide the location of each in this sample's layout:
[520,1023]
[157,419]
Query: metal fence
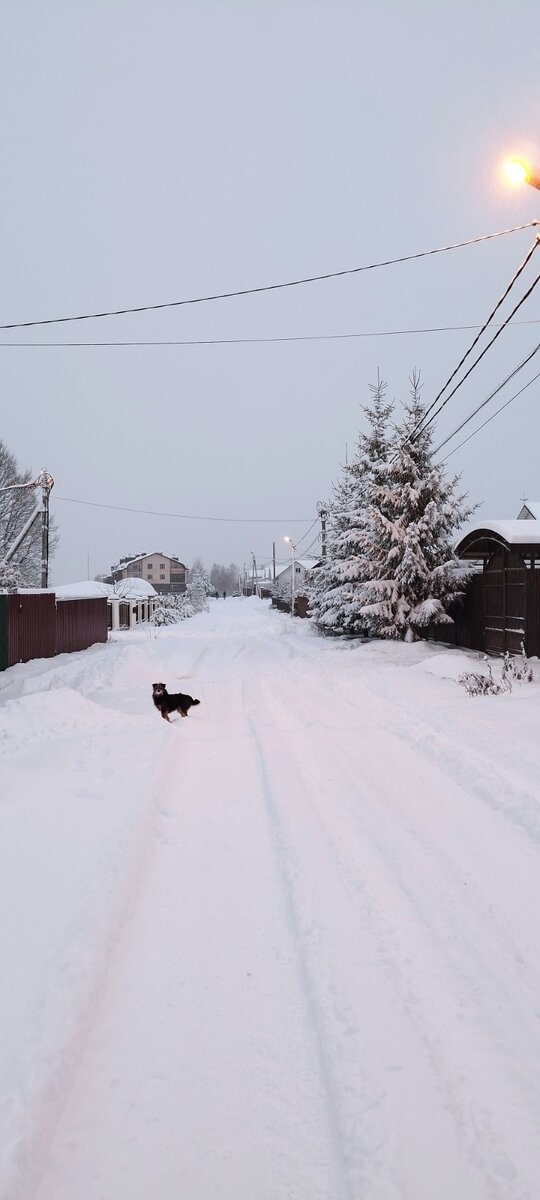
[37,625]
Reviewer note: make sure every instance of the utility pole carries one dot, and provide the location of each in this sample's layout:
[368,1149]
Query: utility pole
[46,483]
[253,574]
[323,515]
[273,562]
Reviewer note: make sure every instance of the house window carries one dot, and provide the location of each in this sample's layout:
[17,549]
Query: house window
[297,570]
[162,566]
[162,576]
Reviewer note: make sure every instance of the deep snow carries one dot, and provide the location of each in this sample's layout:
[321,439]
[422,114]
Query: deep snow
[286,948]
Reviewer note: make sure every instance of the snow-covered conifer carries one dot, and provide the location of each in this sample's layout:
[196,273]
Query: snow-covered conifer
[196,589]
[337,592]
[413,516]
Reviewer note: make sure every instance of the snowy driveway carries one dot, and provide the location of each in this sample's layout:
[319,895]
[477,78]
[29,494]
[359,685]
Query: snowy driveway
[283,950]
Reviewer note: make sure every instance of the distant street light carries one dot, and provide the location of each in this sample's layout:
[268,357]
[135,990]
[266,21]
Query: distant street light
[293,553]
[520,172]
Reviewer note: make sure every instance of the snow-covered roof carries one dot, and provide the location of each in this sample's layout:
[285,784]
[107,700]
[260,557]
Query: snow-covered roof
[87,589]
[121,566]
[481,535]
[132,586]
[306,563]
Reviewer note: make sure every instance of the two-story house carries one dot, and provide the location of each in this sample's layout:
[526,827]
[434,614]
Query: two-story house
[165,573]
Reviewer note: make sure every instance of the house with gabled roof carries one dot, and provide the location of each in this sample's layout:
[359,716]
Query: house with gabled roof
[530,511]
[164,572]
[302,570]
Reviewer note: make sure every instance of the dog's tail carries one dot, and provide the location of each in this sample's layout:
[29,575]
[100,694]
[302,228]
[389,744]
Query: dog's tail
[195,702]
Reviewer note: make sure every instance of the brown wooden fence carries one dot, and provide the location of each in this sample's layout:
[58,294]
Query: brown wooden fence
[37,625]
[80,623]
[301,605]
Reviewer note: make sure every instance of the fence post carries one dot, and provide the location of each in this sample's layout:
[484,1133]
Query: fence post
[3,632]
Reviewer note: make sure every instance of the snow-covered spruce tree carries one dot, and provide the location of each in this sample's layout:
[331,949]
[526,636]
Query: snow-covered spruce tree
[199,570]
[337,591]
[413,516]
[196,590]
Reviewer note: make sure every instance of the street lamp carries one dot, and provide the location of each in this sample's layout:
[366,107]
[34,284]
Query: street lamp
[519,172]
[293,552]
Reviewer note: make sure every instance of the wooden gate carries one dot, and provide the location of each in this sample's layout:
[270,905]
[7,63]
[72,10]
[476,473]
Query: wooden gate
[505,590]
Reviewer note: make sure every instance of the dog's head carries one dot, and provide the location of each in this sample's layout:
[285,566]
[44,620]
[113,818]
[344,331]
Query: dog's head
[158,689]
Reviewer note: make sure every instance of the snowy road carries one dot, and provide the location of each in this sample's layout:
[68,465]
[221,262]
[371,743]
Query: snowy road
[283,950]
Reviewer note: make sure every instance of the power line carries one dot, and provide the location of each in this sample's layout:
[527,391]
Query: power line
[308,531]
[253,341]
[492,394]
[269,287]
[492,417]
[188,516]
[500,301]
[308,548]
[438,410]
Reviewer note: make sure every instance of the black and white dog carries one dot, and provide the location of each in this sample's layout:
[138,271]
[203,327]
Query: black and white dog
[168,704]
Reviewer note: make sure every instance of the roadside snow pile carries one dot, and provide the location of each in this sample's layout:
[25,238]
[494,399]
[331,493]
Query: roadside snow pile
[448,665]
[76,818]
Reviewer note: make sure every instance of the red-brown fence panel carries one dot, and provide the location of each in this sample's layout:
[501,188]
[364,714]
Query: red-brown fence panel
[31,620]
[80,623]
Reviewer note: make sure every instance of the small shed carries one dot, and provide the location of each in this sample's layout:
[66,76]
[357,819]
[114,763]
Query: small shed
[507,603]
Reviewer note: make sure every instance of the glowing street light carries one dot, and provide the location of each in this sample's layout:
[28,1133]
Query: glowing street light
[519,172]
[293,552]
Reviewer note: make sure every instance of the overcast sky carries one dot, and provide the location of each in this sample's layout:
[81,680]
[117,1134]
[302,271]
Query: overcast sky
[161,150]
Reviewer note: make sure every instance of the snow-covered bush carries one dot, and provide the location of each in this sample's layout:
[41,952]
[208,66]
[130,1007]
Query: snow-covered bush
[514,670]
[170,609]
[11,577]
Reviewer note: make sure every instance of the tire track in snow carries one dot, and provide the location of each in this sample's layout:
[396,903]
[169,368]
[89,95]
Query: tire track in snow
[34,1112]
[366,1124]
[304,972]
[379,893]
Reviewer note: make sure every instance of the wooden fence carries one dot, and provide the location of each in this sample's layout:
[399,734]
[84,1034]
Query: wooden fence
[37,625]
[301,605]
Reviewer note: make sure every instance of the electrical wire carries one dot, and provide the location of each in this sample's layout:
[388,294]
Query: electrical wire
[308,531]
[269,287]
[492,394]
[255,341]
[492,417]
[422,427]
[487,322]
[187,516]
[308,548]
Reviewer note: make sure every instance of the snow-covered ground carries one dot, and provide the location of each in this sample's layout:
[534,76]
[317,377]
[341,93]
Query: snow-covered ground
[286,949]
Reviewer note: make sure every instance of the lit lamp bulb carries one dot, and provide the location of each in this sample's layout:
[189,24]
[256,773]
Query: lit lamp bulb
[516,171]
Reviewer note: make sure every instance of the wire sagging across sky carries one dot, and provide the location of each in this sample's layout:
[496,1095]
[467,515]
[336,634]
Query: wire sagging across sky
[492,417]
[432,412]
[147,512]
[491,396]
[268,287]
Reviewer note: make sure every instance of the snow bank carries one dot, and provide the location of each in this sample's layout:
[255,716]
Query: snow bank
[76,817]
